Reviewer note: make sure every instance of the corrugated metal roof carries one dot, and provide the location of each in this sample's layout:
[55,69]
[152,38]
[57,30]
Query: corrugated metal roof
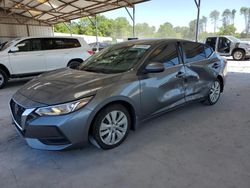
[55,11]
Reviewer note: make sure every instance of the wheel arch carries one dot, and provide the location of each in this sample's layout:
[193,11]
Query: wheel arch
[220,78]
[75,59]
[128,105]
[5,69]
[235,49]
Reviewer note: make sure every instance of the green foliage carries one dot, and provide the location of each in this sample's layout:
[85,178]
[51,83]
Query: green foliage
[120,28]
[166,30]
[143,30]
[227,30]
[61,28]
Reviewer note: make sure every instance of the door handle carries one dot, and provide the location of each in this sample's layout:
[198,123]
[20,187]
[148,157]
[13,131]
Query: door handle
[180,74]
[216,65]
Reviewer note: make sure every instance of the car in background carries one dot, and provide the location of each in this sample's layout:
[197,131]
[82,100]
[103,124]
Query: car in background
[96,47]
[114,90]
[229,46]
[31,56]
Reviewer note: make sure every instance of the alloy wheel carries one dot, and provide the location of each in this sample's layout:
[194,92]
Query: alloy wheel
[214,92]
[113,127]
[238,55]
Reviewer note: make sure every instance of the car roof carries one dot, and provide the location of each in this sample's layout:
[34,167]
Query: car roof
[154,41]
[66,37]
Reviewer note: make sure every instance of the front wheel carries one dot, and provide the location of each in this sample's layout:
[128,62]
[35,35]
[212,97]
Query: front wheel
[3,79]
[238,55]
[214,93]
[111,126]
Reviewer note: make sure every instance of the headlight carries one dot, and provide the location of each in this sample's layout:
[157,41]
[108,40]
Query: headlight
[62,109]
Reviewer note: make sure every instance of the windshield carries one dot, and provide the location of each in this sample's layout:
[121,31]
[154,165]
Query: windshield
[233,39]
[115,59]
[8,44]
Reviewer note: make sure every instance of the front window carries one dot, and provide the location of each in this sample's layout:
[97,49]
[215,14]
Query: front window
[9,44]
[115,59]
[166,54]
[224,45]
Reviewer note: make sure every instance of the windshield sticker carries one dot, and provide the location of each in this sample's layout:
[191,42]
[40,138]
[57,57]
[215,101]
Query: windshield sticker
[142,46]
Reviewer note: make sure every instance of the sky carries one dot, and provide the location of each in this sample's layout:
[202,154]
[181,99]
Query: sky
[181,12]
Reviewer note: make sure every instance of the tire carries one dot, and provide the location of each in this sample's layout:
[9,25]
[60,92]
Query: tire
[214,93]
[106,131]
[3,79]
[74,64]
[238,55]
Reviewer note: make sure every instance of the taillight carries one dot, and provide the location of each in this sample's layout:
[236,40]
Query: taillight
[91,52]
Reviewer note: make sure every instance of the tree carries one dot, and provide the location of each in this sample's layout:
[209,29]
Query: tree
[226,17]
[182,32]
[227,30]
[121,28]
[143,30]
[214,16]
[233,15]
[166,30]
[61,28]
[203,24]
[191,33]
[246,13]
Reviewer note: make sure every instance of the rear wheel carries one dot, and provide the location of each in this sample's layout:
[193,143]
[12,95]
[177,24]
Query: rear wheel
[74,64]
[239,55]
[111,126]
[3,79]
[214,93]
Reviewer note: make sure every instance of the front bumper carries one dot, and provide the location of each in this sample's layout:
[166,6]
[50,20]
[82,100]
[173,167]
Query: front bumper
[50,132]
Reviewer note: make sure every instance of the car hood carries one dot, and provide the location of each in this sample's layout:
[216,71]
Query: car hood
[66,85]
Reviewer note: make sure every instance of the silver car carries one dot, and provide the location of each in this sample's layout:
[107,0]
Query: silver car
[115,90]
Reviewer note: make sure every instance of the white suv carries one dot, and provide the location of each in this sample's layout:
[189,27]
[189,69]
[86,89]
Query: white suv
[31,56]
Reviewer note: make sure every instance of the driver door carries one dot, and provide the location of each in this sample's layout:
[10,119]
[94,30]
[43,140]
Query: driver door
[223,46]
[29,58]
[164,90]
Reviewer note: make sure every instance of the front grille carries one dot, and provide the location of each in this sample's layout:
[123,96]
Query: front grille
[17,111]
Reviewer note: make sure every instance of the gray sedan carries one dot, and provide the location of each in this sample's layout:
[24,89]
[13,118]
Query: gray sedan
[115,90]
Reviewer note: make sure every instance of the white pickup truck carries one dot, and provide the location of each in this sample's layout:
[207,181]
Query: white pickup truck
[230,46]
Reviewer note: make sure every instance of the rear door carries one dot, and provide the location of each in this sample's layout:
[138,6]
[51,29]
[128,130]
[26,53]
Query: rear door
[198,70]
[164,90]
[56,53]
[29,59]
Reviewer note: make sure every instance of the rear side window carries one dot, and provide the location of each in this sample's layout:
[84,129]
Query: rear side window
[208,51]
[71,43]
[48,44]
[166,54]
[60,43]
[194,51]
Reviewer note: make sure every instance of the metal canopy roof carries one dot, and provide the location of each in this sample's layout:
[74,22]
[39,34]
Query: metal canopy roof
[49,12]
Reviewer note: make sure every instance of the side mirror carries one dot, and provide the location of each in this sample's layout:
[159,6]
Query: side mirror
[155,67]
[14,49]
